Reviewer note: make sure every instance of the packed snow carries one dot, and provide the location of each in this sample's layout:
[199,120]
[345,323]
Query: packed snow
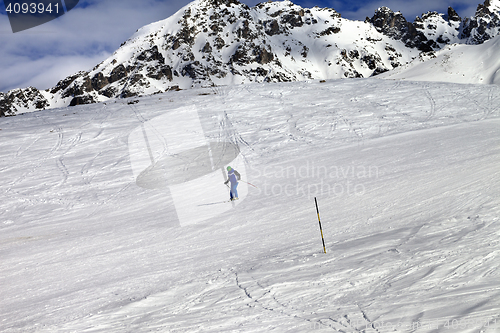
[406,177]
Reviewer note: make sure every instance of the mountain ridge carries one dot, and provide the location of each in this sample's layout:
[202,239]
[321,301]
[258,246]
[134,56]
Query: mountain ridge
[220,42]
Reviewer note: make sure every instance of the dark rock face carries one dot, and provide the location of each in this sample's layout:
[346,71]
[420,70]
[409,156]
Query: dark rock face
[151,55]
[79,100]
[63,84]
[452,15]
[118,73]
[263,56]
[208,48]
[4,106]
[99,81]
[272,27]
[109,92]
[329,31]
[244,32]
[395,26]
[18,99]
[240,56]
[292,20]
[161,73]
[193,70]
[482,26]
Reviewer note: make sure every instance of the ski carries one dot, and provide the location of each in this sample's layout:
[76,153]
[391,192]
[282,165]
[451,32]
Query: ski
[215,203]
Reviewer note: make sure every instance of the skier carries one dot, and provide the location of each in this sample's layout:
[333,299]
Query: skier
[233,177]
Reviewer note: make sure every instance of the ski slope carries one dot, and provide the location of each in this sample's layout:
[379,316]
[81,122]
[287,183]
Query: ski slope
[407,181]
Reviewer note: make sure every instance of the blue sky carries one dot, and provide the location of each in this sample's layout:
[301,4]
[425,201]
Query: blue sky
[91,32]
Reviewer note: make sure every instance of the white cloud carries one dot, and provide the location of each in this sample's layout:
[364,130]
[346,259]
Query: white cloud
[76,41]
[45,72]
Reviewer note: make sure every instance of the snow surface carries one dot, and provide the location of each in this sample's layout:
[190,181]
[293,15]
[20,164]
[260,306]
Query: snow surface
[407,180]
[454,64]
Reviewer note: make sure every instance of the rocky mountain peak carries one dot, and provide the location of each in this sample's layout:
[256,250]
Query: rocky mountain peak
[484,25]
[433,30]
[452,16]
[219,42]
[488,8]
[394,25]
[218,3]
[483,9]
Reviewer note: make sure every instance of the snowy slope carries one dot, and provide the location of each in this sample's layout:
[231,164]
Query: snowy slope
[453,64]
[406,176]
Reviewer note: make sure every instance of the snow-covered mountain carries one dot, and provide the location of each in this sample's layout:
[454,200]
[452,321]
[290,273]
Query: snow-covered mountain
[452,64]
[435,30]
[214,42]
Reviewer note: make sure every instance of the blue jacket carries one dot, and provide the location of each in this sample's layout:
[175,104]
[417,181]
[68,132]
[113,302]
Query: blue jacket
[233,177]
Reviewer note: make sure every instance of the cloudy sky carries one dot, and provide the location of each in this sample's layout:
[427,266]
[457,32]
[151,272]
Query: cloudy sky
[91,32]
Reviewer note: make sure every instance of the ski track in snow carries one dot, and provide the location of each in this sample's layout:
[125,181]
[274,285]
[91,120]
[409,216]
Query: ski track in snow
[84,249]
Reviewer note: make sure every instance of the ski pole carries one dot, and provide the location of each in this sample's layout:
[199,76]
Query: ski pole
[320,229]
[248,183]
